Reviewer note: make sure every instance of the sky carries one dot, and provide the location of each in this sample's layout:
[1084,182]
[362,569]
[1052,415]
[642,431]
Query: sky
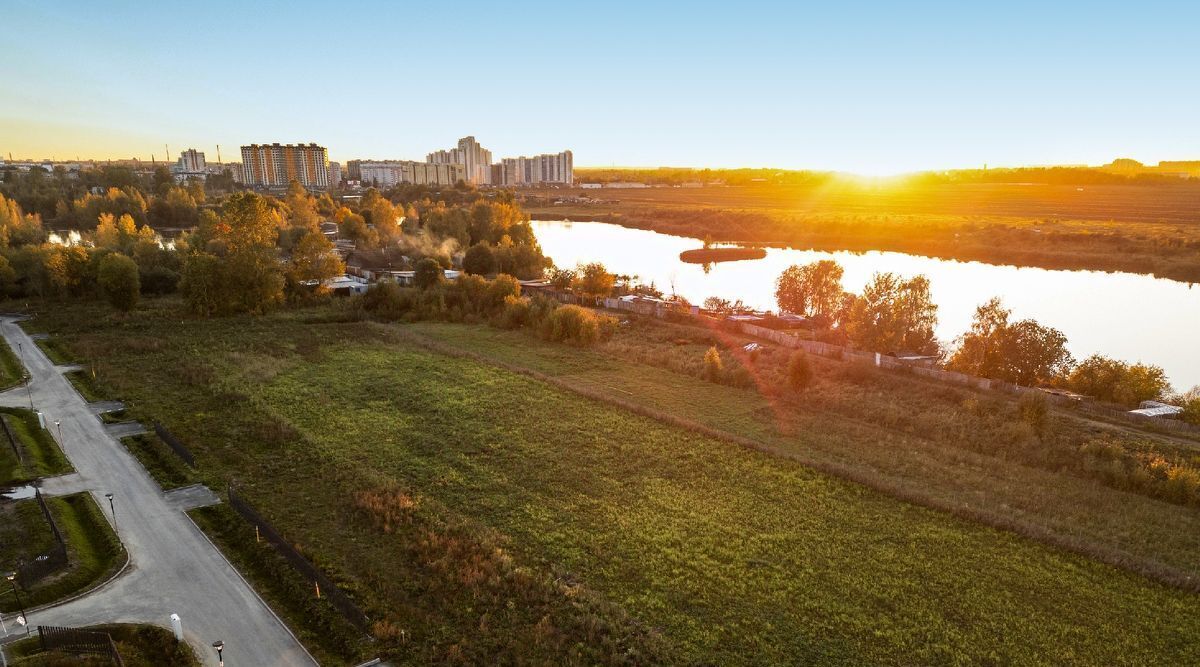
[871,88]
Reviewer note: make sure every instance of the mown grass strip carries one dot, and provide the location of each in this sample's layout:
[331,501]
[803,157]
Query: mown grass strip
[12,371]
[163,465]
[56,351]
[41,454]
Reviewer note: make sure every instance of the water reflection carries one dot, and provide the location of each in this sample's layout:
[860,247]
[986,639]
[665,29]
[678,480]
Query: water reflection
[1122,315]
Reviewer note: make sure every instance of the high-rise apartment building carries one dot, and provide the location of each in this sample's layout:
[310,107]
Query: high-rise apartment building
[386,173]
[275,165]
[476,160]
[549,168]
[335,174]
[191,161]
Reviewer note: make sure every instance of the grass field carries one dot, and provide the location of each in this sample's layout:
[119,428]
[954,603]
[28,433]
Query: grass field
[479,513]
[163,465]
[1140,229]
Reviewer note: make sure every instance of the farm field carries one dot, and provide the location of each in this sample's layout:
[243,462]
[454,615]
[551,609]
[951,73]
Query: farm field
[477,511]
[1135,228]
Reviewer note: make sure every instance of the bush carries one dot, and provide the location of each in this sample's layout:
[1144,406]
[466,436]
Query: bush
[499,291]
[118,279]
[799,370]
[712,365]
[387,301]
[159,280]
[572,324]
[516,313]
[1034,410]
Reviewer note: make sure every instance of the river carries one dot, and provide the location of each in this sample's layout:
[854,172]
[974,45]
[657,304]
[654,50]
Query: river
[1121,315]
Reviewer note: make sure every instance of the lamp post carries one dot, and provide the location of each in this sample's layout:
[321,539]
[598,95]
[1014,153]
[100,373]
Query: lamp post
[112,508]
[28,375]
[220,646]
[12,580]
[58,425]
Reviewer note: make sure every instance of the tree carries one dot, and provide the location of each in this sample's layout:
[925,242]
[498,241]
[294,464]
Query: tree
[118,280]
[1023,352]
[594,280]
[893,315]
[302,209]
[427,273]
[248,223]
[479,260]
[712,364]
[1118,382]
[314,258]
[561,279]
[813,290]
[202,284]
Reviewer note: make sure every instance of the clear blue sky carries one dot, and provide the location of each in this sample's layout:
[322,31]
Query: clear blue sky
[855,86]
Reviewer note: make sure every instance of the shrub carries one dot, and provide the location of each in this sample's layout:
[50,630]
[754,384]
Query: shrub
[516,312]
[712,365]
[1033,409]
[387,301]
[500,289]
[573,324]
[799,370]
[159,280]
[118,279]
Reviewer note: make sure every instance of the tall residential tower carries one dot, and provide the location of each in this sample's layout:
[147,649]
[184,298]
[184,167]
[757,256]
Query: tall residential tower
[275,165]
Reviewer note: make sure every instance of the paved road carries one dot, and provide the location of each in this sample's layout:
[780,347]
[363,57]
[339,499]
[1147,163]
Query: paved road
[173,568]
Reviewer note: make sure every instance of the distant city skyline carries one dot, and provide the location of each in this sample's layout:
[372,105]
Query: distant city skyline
[872,89]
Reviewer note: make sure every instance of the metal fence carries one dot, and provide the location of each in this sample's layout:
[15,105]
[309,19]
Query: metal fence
[340,600]
[50,562]
[176,446]
[72,640]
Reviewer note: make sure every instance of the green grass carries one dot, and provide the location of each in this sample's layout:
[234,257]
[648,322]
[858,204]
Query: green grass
[94,552]
[86,385]
[40,452]
[12,371]
[24,534]
[139,646]
[56,351]
[481,514]
[157,458]
[732,553]
[115,417]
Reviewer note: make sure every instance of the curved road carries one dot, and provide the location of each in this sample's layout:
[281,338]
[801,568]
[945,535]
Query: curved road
[173,568]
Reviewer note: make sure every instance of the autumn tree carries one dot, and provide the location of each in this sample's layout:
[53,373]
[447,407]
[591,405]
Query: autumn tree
[893,315]
[302,208]
[314,259]
[1023,352]
[594,280]
[813,290]
[1118,382]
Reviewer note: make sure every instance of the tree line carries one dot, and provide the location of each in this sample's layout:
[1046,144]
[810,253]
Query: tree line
[897,315]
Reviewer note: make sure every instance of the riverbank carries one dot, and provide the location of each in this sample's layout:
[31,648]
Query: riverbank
[1134,229]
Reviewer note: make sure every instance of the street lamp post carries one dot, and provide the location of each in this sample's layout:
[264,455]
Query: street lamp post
[220,646]
[112,508]
[22,619]
[58,424]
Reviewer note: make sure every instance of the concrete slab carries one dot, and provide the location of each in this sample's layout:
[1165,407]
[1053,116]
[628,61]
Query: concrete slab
[125,429]
[190,497]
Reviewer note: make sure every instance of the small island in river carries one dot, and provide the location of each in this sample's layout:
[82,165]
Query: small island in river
[721,254]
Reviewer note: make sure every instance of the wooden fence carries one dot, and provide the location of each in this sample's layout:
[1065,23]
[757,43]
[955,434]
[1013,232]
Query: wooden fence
[176,446]
[73,640]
